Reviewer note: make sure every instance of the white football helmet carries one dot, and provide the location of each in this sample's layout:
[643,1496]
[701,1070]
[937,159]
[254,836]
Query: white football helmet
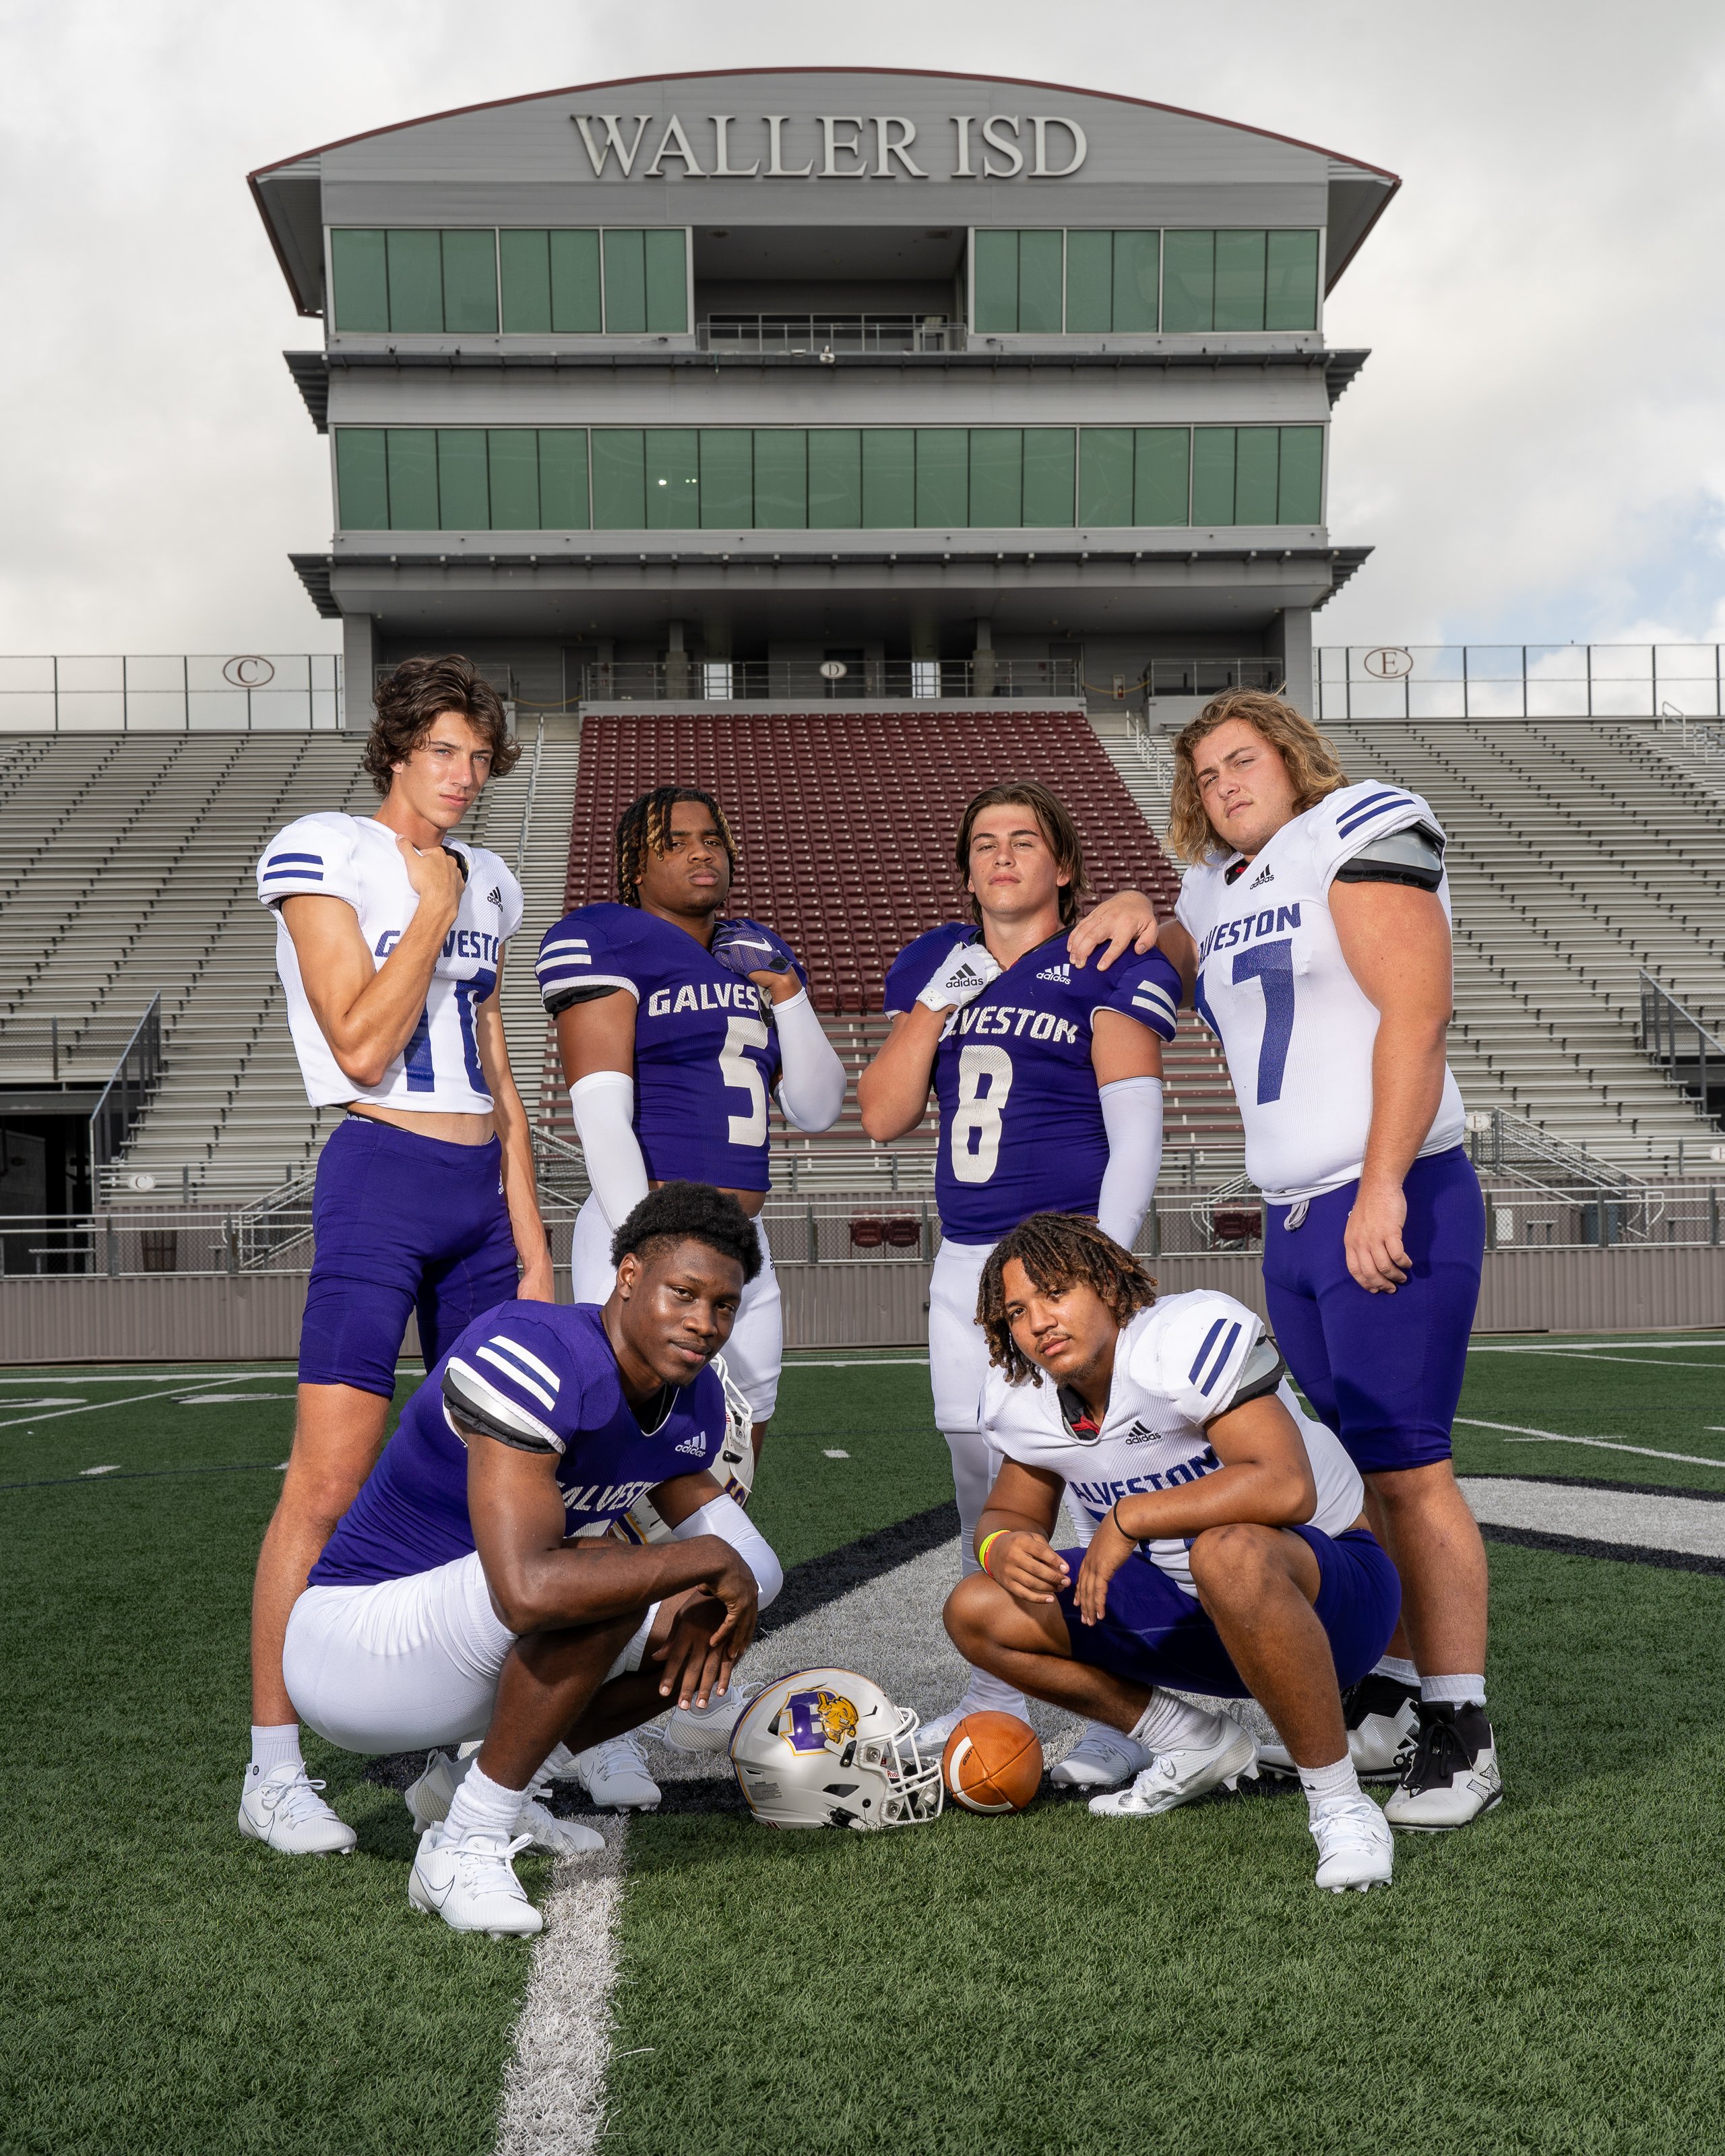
[828,1747]
[734,1471]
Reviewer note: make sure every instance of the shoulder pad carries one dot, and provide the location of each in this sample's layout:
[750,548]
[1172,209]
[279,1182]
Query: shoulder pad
[1197,1354]
[1262,1371]
[1412,855]
[487,1407]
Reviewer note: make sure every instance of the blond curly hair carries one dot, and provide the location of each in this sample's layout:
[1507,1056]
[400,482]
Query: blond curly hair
[1309,755]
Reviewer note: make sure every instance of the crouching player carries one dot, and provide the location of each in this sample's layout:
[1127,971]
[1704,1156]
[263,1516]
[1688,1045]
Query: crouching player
[474,1588]
[1230,1555]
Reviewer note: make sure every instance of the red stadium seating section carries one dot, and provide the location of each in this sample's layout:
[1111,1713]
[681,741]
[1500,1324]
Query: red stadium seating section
[845,820]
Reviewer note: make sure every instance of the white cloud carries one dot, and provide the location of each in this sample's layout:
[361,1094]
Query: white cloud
[1535,448]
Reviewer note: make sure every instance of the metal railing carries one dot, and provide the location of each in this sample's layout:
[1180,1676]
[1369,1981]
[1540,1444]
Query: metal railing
[125,1097]
[811,335]
[250,692]
[1518,681]
[1685,1052]
[82,1049]
[1699,739]
[678,678]
[1503,1144]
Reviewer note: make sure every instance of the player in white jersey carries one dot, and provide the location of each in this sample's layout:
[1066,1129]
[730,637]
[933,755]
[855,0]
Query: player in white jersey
[389,940]
[1313,934]
[1225,1548]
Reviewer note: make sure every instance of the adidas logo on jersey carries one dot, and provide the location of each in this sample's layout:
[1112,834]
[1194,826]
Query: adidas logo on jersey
[1139,1434]
[1062,973]
[1262,876]
[695,1443]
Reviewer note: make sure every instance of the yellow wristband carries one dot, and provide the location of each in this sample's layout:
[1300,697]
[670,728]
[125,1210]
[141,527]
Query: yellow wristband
[989,1543]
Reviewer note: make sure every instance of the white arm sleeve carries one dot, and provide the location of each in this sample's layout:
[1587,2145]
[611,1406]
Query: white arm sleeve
[605,1105]
[1132,1115]
[725,1518]
[811,1090]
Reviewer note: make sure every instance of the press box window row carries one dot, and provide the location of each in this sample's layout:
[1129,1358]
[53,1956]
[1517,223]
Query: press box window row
[1071,283]
[616,282]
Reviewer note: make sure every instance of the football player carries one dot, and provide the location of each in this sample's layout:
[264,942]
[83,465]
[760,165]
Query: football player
[1313,932]
[1047,1074]
[389,940]
[474,1589]
[676,1024]
[1228,1551]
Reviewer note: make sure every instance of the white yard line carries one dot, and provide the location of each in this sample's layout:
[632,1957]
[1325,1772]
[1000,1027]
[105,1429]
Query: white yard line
[1568,1346]
[97,1406]
[868,1362]
[1526,1436]
[1599,1355]
[1694,1526]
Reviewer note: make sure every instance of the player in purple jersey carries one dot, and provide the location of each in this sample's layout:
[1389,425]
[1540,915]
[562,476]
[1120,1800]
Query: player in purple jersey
[675,1026]
[1332,1006]
[1049,1078]
[389,940]
[477,1589]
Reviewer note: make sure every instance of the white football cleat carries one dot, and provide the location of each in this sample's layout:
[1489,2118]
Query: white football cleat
[1453,1775]
[1192,1770]
[471,1885]
[1382,1726]
[558,1837]
[708,1729]
[284,1811]
[614,1774]
[930,1737]
[1102,1759]
[1355,1849]
[429,1798]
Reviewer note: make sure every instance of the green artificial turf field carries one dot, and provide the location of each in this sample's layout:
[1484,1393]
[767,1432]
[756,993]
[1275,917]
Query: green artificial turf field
[1550,1980]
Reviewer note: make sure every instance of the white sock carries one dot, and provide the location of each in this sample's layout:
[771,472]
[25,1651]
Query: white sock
[1453,1692]
[482,1806]
[1398,1667]
[1329,1785]
[274,1744]
[987,1692]
[1169,1723]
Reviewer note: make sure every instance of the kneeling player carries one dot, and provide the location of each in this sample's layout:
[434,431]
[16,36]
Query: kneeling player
[474,1590]
[1231,1555]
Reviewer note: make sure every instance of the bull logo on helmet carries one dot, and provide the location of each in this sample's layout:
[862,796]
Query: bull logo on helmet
[813,1721]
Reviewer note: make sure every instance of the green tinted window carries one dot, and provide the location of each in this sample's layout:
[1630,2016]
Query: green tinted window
[620,479]
[667,285]
[1138,272]
[942,476]
[470,281]
[1301,491]
[625,283]
[889,474]
[996,274]
[1049,455]
[562,478]
[835,479]
[361,280]
[673,478]
[1090,280]
[1290,281]
[1256,451]
[1161,476]
[727,476]
[513,458]
[781,479]
[1041,256]
[1213,475]
[463,490]
[1188,277]
[1240,280]
[413,479]
[576,309]
[524,260]
[997,476]
[1105,475]
[416,280]
[362,479]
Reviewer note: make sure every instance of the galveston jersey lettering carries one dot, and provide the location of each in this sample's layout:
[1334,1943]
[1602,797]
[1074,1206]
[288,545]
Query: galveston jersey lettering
[696,996]
[1231,934]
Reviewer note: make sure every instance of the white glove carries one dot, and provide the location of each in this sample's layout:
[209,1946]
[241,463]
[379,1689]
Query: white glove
[961,977]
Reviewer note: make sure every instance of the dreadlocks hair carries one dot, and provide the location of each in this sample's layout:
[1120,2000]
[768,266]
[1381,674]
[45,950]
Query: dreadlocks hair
[646,825]
[1056,826]
[692,1213]
[1058,1251]
[418,692]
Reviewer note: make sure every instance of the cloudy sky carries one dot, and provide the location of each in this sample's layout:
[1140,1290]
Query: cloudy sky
[1537,449]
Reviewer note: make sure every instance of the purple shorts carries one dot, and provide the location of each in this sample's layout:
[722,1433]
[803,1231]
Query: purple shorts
[402,1223]
[1385,1372]
[1154,1633]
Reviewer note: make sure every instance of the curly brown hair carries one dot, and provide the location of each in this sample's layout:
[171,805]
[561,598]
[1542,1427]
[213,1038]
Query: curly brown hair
[1311,758]
[1061,833]
[645,825]
[418,694]
[1058,1251]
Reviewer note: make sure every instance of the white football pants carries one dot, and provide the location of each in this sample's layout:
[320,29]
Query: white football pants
[957,1364]
[406,1664]
[755,1351]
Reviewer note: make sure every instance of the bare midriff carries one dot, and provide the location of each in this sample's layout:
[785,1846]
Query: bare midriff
[750,1201]
[461,1130]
